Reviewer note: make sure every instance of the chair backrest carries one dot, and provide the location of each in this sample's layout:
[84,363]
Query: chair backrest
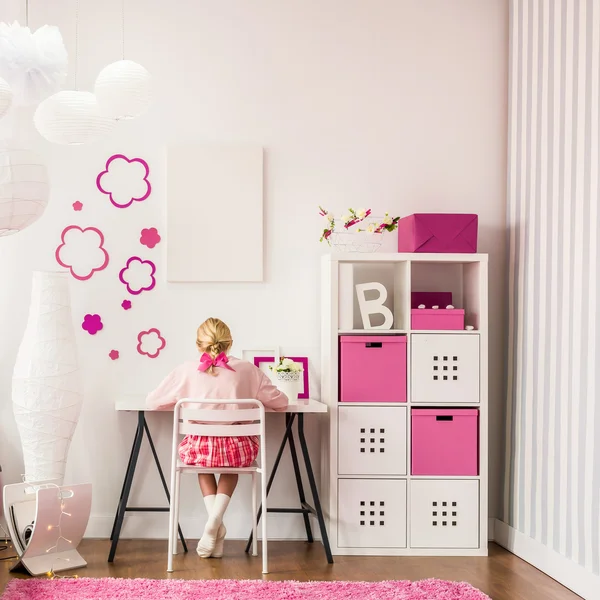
[190,418]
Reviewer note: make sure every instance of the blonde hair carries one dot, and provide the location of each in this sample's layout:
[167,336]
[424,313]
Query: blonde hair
[213,337]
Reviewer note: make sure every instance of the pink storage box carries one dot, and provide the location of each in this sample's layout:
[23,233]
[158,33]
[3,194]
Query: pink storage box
[438,232]
[442,318]
[445,441]
[430,299]
[373,368]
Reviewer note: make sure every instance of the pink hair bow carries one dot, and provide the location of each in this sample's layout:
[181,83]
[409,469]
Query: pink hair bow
[220,361]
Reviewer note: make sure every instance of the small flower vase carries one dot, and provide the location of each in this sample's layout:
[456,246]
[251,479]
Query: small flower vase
[289,384]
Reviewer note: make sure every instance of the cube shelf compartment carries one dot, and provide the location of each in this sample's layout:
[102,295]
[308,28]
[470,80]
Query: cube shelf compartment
[405,469]
[383,357]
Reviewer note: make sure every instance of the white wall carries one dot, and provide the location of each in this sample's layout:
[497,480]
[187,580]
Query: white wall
[397,105]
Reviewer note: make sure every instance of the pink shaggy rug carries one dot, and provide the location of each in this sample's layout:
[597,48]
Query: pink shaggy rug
[221,589]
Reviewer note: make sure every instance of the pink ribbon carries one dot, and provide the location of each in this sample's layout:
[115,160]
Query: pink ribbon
[220,361]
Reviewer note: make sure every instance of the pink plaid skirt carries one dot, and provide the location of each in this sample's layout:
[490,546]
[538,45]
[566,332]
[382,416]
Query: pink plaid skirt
[205,451]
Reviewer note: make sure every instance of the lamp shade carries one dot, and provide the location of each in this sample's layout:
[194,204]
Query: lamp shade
[34,63]
[71,117]
[46,387]
[123,90]
[6,97]
[24,189]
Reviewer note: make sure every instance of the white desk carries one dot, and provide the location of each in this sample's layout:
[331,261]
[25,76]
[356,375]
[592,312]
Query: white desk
[135,403]
[294,412]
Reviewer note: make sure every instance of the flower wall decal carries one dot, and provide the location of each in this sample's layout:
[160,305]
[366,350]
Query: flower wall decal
[82,251]
[77,206]
[150,343]
[92,324]
[138,275]
[124,180]
[149,237]
[126,304]
[113,354]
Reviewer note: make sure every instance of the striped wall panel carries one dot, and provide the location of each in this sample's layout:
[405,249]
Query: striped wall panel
[552,485]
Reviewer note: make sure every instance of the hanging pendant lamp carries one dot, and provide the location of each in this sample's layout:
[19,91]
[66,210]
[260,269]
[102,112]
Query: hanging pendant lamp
[72,116]
[123,90]
[123,87]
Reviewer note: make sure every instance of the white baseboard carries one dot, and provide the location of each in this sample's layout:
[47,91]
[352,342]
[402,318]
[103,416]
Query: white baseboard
[557,566]
[491,529]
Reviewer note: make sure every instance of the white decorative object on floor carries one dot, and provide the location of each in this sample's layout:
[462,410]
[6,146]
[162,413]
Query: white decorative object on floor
[185,422]
[71,117]
[225,210]
[24,189]
[34,64]
[123,90]
[6,97]
[374,306]
[46,394]
[379,500]
[57,517]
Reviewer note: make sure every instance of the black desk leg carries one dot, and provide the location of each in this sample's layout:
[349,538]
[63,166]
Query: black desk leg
[135,452]
[313,488]
[112,533]
[287,433]
[309,535]
[162,477]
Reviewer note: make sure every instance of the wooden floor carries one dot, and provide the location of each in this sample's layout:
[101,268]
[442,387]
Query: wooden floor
[501,575]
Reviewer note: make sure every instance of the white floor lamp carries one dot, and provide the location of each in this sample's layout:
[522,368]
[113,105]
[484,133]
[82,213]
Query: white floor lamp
[46,397]
[46,392]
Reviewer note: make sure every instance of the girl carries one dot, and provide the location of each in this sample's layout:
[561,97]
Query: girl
[220,377]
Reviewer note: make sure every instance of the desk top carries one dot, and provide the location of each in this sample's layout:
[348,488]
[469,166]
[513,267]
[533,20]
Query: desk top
[137,402]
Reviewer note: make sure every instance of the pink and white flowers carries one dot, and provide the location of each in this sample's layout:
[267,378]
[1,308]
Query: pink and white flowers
[354,217]
[286,365]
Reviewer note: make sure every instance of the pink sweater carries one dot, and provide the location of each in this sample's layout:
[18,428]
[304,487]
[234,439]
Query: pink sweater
[245,382]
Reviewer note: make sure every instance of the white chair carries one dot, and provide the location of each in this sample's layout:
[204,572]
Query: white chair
[191,419]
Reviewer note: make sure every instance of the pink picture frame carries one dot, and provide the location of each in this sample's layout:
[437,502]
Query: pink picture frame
[303,360]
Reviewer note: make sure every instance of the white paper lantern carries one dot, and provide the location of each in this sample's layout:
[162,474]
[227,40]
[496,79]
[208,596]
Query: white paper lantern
[71,117]
[123,90]
[6,97]
[34,63]
[46,390]
[24,189]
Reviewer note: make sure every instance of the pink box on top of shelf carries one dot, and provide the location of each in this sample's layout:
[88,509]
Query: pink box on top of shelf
[372,368]
[438,233]
[445,441]
[428,319]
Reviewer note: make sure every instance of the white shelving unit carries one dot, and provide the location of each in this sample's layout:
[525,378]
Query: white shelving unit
[374,505]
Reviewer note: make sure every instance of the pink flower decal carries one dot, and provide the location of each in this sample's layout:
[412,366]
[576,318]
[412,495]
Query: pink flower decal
[149,237]
[82,251]
[113,354]
[138,275]
[92,324]
[124,180]
[126,304]
[150,343]
[77,206]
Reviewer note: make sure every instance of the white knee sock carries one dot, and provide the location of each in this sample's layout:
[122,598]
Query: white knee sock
[214,530]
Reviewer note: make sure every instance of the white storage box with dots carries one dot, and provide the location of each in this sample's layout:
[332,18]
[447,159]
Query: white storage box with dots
[372,513]
[445,368]
[444,513]
[372,442]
